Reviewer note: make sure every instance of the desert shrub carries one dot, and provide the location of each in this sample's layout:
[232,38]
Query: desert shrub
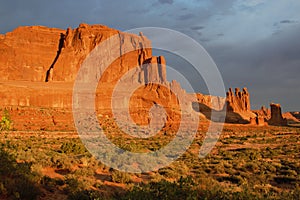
[16,179]
[73,147]
[3,190]
[285,180]
[84,172]
[163,190]
[251,166]
[85,195]
[22,188]
[63,162]
[288,172]
[173,172]
[187,188]
[120,177]
[6,122]
[73,185]
[235,179]
[218,169]
[48,183]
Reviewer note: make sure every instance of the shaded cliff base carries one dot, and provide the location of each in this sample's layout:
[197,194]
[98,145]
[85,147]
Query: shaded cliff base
[57,119]
[53,103]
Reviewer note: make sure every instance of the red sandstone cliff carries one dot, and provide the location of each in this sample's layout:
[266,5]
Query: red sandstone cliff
[46,54]
[238,106]
[27,53]
[39,65]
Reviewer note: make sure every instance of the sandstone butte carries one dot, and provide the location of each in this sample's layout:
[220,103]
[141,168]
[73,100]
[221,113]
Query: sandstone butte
[38,66]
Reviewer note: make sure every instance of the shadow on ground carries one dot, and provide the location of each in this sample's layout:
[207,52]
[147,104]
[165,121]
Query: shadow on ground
[16,179]
[231,117]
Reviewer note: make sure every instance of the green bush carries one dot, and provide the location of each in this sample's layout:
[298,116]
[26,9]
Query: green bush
[6,122]
[163,190]
[73,147]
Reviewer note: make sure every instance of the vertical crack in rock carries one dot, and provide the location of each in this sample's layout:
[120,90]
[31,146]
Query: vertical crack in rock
[121,46]
[49,72]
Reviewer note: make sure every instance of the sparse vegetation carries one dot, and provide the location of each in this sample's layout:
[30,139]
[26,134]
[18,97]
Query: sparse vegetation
[247,163]
[120,177]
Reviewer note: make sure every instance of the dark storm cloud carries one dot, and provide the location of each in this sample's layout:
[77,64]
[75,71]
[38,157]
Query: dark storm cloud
[50,13]
[62,14]
[166,1]
[223,7]
[197,28]
[186,16]
[288,21]
[270,68]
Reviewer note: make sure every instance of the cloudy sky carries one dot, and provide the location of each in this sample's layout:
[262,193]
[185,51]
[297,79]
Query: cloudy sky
[255,43]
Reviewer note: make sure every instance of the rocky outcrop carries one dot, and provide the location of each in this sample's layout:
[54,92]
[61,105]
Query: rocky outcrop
[291,119]
[45,54]
[78,43]
[155,70]
[238,106]
[276,116]
[296,115]
[258,121]
[40,64]
[214,102]
[27,53]
[238,101]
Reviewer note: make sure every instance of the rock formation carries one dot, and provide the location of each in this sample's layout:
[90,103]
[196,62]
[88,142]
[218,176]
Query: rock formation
[238,101]
[276,116]
[46,54]
[214,102]
[28,52]
[291,118]
[253,121]
[258,120]
[39,66]
[296,115]
[238,106]
[155,70]
[41,54]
